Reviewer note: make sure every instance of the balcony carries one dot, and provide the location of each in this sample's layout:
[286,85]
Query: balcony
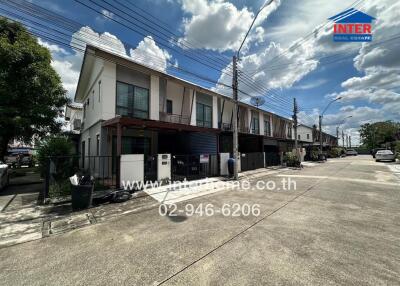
[77,124]
[174,118]
[225,126]
[244,129]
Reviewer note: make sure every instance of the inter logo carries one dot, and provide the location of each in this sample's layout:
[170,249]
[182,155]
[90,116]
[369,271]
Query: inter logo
[352,26]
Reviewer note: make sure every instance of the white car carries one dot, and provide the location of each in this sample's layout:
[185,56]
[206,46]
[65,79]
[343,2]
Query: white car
[385,155]
[4,176]
[351,152]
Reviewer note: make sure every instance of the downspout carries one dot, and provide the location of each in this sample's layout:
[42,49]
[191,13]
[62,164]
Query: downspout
[222,113]
[191,108]
[183,99]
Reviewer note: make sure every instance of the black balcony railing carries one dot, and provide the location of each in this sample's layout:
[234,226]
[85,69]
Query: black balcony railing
[174,118]
[225,126]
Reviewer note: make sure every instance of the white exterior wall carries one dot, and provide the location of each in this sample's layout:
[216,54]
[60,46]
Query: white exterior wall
[94,108]
[214,112]
[303,131]
[227,112]
[261,120]
[249,121]
[174,93]
[154,97]
[108,90]
[193,118]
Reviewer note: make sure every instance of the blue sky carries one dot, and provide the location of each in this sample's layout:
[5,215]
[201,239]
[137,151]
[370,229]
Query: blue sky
[315,71]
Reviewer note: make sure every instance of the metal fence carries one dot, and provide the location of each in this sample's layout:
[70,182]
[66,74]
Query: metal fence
[105,170]
[272,159]
[193,167]
[251,161]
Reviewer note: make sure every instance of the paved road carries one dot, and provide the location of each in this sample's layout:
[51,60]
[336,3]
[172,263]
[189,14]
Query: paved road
[340,226]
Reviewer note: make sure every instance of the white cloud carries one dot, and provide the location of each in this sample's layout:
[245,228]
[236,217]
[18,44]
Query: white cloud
[294,65]
[107,13]
[149,54]
[311,85]
[68,74]
[376,77]
[347,108]
[221,26]
[68,64]
[51,47]
[105,41]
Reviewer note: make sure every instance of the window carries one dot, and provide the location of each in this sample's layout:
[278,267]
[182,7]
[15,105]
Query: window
[267,127]
[289,132]
[83,154]
[255,125]
[298,136]
[203,115]
[88,147]
[97,144]
[99,90]
[169,106]
[132,101]
[308,136]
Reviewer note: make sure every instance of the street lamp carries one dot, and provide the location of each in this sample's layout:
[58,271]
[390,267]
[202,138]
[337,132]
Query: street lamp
[320,122]
[337,129]
[235,96]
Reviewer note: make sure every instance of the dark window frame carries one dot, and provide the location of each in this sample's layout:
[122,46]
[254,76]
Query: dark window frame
[169,103]
[255,125]
[97,144]
[203,122]
[131,111]
[267,127]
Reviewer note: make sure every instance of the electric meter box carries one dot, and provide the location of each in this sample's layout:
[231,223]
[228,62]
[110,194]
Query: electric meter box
[164,167]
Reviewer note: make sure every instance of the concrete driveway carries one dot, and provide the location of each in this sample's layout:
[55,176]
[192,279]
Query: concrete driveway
[340,226]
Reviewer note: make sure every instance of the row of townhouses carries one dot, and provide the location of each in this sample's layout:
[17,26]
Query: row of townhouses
[129,108]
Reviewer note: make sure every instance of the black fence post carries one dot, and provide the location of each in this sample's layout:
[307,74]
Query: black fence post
[118,172]
[45,193]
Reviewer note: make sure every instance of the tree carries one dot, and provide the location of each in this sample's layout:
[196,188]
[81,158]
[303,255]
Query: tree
[31,94]
[375,134]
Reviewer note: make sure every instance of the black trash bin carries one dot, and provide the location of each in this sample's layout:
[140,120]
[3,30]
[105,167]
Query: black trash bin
[231,163]
[81,196]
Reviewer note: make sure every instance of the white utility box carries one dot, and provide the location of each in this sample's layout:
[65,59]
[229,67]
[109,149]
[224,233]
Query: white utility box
[132,168]
[163,167]
[223,164]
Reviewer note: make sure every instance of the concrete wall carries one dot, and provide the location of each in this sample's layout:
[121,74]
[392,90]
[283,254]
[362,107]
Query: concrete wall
[227,112]
[108,90]
[303,131]
[92,105]
[261,118]
[175,93]
[154,97]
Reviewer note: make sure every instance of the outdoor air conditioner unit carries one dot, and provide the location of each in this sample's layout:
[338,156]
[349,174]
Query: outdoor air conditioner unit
[77,124]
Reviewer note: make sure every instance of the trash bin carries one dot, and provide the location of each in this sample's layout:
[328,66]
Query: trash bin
[231,163]
[81,192]
[81,196]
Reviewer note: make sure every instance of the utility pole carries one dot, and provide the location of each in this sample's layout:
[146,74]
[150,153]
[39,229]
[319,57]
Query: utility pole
[349,141]
[337,133]
[342,138]
[320,134]
[235,95]
[295,110]
[235,118]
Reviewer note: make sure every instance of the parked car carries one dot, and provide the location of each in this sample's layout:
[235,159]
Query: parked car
[373,152]
[385,155]
[351,152]
[4,176]
[12,160]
